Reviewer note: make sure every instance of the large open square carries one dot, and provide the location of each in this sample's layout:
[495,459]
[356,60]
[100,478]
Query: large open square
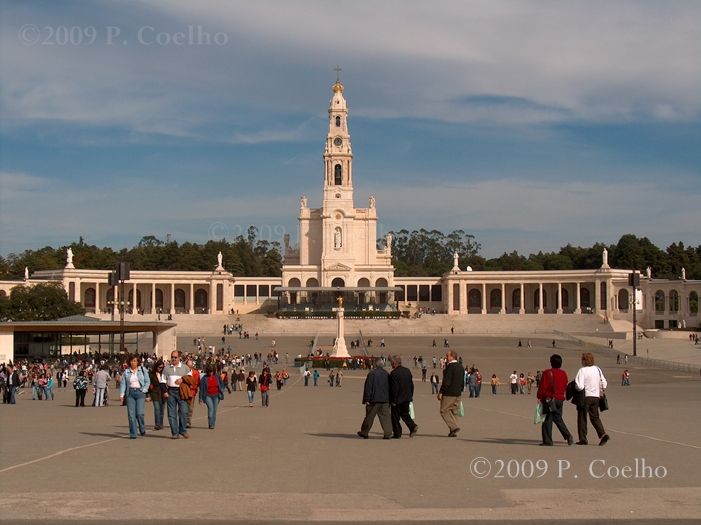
[301,460]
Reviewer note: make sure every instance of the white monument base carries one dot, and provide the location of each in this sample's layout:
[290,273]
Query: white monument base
[339,347]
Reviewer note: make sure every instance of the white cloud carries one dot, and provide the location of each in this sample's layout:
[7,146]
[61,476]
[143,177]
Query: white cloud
[594,61]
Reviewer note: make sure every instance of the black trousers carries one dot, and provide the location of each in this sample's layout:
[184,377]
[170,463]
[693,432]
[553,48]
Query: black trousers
[591,408]
[80,397]
[400,412]
[554,417]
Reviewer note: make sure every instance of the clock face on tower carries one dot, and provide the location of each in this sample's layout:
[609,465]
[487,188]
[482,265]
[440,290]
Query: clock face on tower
[338,141]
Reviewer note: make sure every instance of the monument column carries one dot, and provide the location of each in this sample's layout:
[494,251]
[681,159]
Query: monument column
[578,310]
[540,298]
[192,299]
[340,349]
[559,297]
[522,303]
[484,298]
[503,299]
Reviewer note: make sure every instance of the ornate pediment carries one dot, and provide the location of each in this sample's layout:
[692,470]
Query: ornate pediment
[338,267]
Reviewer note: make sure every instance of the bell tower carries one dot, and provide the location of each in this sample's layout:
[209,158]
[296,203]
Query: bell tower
[338,156]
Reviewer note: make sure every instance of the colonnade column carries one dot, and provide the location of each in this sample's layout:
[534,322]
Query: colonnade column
[449,287]
[522,303]
[192,298]
[484,298]
[503,299]
[463,298]
[212,297]
[133,299]
[578,310]
[559,297]
[153,298]
[597,298]
[172,298]
[97,298]
[540,298]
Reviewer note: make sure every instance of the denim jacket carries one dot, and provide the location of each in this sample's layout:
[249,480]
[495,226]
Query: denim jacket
[203,387]
[144,380]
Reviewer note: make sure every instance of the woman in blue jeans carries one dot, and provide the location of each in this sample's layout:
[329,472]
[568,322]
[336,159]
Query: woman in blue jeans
[251,385]
[134,388]
[211,392]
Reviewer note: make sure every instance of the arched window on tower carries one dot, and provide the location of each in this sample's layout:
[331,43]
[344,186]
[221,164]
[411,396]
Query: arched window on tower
[338,122]
[337,175]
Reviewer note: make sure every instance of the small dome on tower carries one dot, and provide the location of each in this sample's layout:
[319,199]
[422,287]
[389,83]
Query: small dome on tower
[337,87]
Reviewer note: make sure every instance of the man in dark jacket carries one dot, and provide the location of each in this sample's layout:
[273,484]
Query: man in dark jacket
[401,394]
[12,383]
[450,392]
[376,401]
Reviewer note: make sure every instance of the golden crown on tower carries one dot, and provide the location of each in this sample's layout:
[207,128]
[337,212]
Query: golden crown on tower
[337,87]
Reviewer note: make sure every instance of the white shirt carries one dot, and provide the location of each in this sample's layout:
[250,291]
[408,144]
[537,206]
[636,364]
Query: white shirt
[513,378]
[589,379]
[134,379]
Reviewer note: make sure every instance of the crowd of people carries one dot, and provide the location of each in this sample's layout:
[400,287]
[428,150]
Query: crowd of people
[389,397]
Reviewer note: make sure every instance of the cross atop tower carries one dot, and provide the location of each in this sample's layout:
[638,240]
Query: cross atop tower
[338,70]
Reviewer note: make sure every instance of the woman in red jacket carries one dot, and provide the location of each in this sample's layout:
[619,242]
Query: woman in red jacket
[551,393]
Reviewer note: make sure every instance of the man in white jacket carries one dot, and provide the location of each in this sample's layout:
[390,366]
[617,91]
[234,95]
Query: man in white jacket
[591,380]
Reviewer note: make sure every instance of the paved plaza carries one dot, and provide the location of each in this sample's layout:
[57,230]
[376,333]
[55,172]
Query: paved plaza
[300,459]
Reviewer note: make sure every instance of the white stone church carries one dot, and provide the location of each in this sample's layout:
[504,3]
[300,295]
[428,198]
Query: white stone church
[338,255]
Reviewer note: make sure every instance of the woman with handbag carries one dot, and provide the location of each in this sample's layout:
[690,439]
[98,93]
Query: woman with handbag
[590,380]
[156,389]
[134,390]
[211,392]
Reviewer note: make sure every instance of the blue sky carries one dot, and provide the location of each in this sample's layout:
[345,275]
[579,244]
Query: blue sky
[528,124]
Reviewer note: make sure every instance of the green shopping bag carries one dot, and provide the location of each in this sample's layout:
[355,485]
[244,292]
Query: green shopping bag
[461,410]
[539,416]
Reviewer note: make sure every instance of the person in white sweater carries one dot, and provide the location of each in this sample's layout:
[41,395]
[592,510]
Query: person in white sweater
[592,381]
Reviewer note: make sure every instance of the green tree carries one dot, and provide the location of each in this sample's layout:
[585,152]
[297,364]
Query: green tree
[42,302]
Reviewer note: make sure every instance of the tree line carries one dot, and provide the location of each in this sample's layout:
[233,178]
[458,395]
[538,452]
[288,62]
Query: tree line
[243,256]
[414,254]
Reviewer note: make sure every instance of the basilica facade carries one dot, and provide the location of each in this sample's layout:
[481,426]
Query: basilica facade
[338,257]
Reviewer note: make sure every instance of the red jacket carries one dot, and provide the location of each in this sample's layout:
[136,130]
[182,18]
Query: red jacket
[553,384]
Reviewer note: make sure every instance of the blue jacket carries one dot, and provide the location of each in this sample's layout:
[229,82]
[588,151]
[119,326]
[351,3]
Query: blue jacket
[203,387]
[144,380]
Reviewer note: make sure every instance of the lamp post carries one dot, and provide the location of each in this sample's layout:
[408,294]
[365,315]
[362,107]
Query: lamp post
[634,282]
[121,272]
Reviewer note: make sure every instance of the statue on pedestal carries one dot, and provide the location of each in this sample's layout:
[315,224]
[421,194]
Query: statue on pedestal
[220,258]
[26,273]
[683,274]
[339,300]
[388,243]
[605,258]
[69,259]
[648,272]
[456,262]
[371,201]
[303,201]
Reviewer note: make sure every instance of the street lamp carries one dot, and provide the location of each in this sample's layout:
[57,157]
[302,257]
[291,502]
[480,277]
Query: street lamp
[634,282]
[121,273]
